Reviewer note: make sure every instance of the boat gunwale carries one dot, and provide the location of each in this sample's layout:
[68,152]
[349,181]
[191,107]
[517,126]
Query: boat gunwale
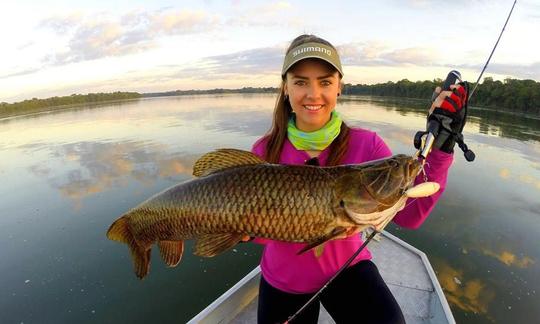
[253,273]
[431,273]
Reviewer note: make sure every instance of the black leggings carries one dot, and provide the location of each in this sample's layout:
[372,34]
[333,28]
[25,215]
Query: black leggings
[358,295]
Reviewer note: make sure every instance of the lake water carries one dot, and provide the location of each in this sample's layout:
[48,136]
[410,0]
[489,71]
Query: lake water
[66,175]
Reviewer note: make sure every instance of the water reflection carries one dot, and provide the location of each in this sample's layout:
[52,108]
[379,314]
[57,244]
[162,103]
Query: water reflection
[481,237]
[486,121]
[509,258]
[98,166]
[468,294]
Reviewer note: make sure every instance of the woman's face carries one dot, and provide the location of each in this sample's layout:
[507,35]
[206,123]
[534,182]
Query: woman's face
[313,87]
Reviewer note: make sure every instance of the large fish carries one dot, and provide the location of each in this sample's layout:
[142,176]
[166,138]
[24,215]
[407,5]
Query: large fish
[237,194]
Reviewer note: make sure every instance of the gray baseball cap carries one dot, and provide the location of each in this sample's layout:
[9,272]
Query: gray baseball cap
[312,50]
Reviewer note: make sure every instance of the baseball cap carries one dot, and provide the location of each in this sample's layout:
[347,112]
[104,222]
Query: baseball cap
[312,50]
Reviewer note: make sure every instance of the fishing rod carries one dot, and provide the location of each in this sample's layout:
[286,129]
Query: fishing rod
[493,50]
[317,294]
[451,79]
[433,126]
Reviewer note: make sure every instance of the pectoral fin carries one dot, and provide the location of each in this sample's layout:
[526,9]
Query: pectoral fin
[213,244]
[319,249]
[318,243]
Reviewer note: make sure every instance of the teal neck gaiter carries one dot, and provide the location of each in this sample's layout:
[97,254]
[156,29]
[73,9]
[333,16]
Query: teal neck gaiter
[317,140]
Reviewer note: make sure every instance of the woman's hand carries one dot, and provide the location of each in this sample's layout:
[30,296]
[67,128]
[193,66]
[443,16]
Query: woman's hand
[457,95]
[449,109]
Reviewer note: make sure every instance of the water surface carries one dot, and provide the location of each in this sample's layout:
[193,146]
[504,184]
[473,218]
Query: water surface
[66,175]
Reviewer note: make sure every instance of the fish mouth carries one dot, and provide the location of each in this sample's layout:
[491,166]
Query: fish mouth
[414,168]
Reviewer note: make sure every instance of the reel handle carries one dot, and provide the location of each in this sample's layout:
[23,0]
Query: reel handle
[451,78]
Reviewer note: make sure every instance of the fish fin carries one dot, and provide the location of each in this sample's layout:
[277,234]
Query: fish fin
[323,239]
[319,249]
[223,159]
[120,231]
[171,252]
[141,260]
[210,245]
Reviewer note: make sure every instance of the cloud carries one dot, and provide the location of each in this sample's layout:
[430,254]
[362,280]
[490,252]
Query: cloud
[20,72]
[179,22]
[412,55]
[92,37]
[266,15]
[266,60]
[375,53]
[522,71]
[25,45]
[61,23]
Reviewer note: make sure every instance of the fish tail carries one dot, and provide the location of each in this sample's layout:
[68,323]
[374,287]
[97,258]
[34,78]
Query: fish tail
[121,231]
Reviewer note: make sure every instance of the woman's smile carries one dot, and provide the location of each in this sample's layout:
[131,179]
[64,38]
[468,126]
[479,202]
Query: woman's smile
[313,107]
[313,87]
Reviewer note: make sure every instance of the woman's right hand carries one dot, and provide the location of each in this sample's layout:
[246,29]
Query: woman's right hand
[246,238]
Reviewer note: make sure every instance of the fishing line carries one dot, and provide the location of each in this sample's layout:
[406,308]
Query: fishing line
[351,259]
[492,51]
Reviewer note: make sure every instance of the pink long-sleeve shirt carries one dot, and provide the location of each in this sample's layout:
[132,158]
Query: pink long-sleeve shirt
[285,270]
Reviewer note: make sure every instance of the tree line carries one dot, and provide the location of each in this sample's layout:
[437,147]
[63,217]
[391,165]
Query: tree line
[35,104]
[511,94]
[211,91]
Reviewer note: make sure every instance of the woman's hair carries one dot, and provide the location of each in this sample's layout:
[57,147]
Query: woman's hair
[282,113]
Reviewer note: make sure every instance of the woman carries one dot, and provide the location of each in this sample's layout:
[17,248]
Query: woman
[307,130]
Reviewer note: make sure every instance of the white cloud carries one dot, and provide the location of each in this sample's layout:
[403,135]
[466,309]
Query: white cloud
[92,37]
[280,13]
[521,71]
[412,55]
[61,23]
[378,53]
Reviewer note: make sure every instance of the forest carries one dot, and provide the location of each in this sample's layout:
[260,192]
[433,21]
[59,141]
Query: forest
[510,95]
[513,95]
[53,103]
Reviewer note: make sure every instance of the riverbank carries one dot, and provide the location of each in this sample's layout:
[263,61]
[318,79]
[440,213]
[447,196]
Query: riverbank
[34,106]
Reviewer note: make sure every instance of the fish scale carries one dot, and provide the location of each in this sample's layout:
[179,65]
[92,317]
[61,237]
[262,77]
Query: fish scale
[240,195]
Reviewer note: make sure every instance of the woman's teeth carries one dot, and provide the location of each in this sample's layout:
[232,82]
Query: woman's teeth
[313,107]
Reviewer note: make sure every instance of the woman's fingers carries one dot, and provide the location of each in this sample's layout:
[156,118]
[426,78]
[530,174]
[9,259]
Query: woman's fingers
[246,238]
[439,100]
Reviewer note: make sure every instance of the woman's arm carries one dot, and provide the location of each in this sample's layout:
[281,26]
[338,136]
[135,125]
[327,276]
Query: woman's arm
[436,168]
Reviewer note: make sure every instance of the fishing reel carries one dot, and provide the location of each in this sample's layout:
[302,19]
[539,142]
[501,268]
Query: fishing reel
[424,140]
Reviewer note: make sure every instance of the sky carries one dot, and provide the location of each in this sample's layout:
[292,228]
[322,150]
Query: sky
[54,48]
